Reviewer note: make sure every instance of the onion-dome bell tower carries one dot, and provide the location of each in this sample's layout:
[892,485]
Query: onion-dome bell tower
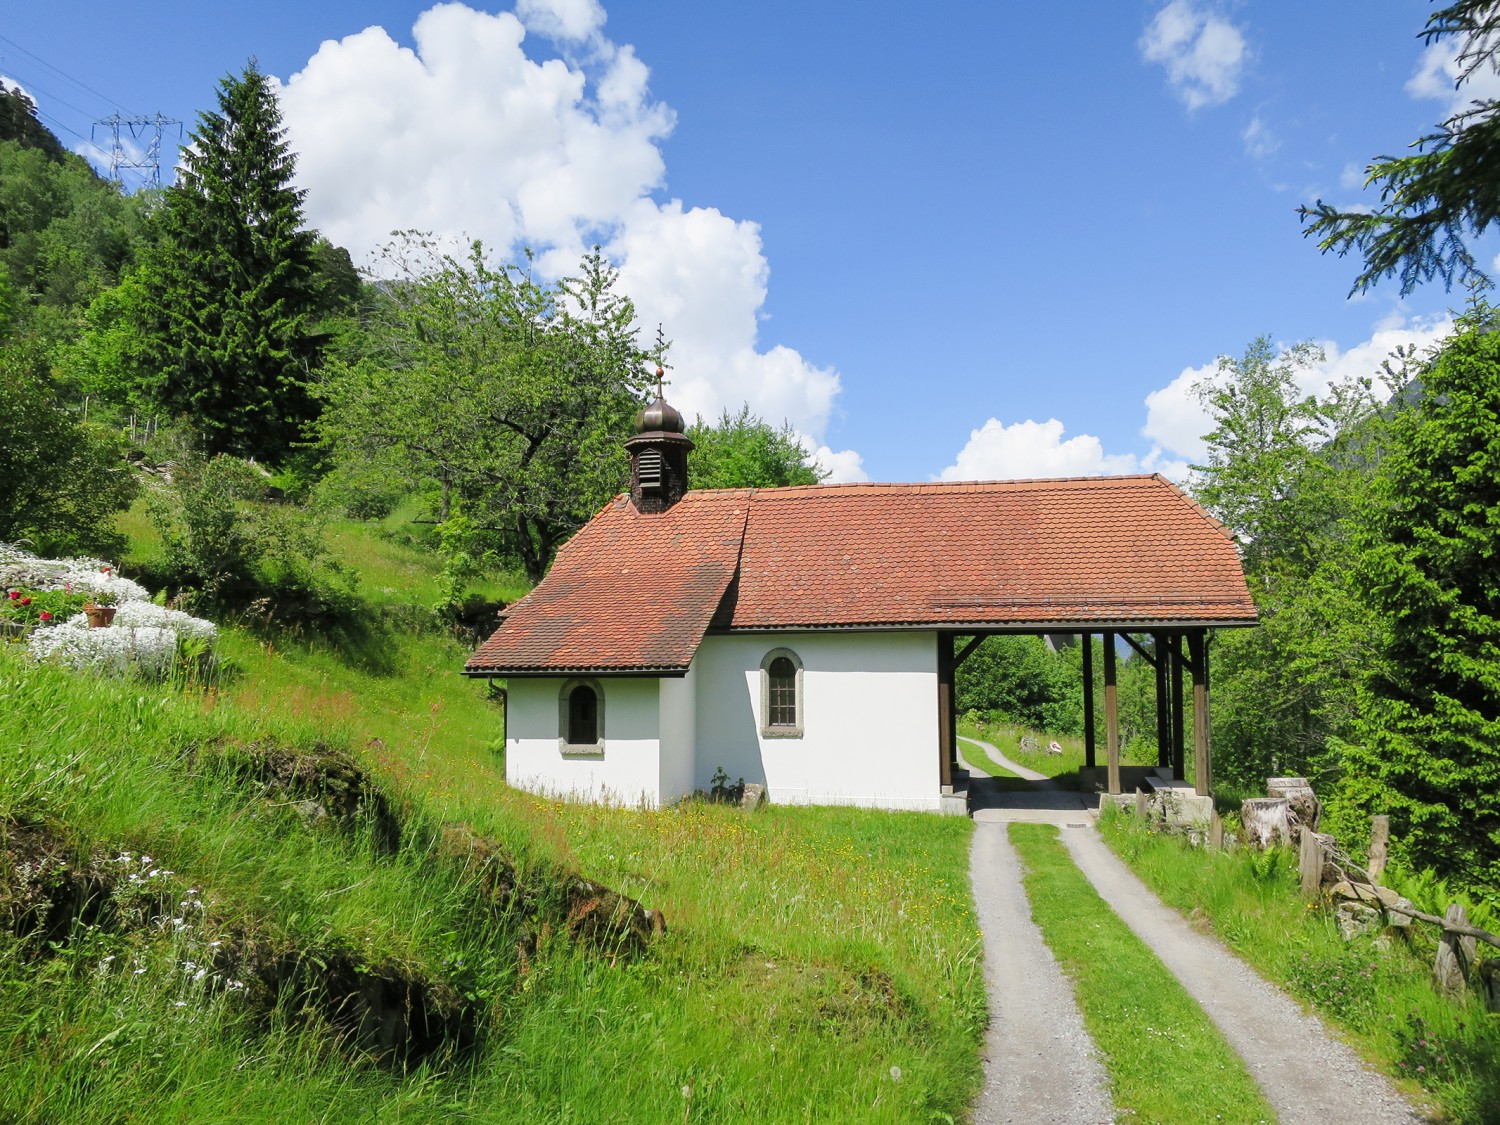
[658,455]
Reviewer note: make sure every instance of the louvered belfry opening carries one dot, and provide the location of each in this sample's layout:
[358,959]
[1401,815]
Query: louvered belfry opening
[658,458]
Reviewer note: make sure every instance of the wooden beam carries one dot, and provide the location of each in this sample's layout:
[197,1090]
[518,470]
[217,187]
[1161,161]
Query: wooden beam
[1140,649]
[1203,774]
[1179,738]
[1163,692]
[1111,714]
[947,722]
[968,650]
[1089,739]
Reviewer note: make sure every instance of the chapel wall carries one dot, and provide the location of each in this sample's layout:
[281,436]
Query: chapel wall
[870,727]
[625,771]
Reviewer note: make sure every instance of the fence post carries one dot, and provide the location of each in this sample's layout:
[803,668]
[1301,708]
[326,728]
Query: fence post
[1455,955]
[1310,863]
[1380,844]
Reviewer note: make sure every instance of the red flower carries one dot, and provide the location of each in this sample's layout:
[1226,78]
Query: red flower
[25,601]
[14,594]
[46,616]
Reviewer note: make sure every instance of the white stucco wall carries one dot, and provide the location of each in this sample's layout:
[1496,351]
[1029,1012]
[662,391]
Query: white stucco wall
[869,719]
[627,772]
[678,725]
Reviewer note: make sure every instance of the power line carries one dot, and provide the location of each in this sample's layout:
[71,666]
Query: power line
[63,73]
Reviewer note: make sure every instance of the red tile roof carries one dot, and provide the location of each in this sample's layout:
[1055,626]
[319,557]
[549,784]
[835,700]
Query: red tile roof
[638,593]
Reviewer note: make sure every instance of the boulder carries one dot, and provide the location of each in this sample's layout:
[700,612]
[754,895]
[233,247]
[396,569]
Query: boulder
[1356,919]
[1380,898]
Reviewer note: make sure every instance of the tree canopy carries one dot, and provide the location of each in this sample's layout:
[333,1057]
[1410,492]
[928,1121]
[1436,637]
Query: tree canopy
[743,450]
[1433,201]
[1429,751]
[225,306]
[510,395]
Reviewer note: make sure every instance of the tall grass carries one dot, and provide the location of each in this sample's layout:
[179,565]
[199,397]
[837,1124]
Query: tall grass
[809,951]
[1376,989]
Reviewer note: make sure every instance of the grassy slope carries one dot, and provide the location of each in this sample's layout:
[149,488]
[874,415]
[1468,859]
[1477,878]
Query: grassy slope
[1377,992]
[810,950]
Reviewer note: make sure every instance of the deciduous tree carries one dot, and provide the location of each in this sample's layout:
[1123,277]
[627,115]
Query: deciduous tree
[511,394]
[743,450]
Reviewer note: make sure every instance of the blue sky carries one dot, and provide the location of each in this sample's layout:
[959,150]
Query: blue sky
[943,241]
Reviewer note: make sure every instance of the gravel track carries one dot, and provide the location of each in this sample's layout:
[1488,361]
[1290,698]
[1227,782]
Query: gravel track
[1040,1063]
[1309,1077]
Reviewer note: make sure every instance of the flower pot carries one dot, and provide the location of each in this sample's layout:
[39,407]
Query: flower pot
[99,616]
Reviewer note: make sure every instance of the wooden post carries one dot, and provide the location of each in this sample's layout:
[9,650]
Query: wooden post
[1380,844]
[947,722]
[1310,863]
[1111,714]
[1203,774]
[1455,954]
[1140,803]
[1179,742]
[1090,757]
[1163,721]
[1215,830]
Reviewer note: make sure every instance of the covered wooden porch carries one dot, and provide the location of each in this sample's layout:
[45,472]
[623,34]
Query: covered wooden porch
[1179,658]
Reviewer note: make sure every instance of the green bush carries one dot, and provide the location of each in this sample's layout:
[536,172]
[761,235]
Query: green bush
[225,548]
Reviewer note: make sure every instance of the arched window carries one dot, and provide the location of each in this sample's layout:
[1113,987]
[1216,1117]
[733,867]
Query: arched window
[580,717]
[781,694]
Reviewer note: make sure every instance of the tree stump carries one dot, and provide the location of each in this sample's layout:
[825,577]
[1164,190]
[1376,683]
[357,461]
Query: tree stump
[1267,821]
[1455,955]
[1306,809]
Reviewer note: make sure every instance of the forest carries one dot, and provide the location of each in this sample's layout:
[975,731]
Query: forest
[199,352]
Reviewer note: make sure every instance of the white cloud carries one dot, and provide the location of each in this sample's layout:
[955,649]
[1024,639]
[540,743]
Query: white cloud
[1204,54]
[1030,449]
[564,20]
[844,467]
[1352,178]
[1176,420]
[1260,141]
[1437,76]
[465,134]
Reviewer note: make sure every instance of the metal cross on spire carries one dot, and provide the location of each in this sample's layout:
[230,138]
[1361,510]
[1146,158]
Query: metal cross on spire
[661,364]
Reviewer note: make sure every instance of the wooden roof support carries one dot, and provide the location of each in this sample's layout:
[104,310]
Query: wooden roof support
[1179,741]
[1111,714]
[1140,650]
[1203,774]
[1090,739]
[1163,702]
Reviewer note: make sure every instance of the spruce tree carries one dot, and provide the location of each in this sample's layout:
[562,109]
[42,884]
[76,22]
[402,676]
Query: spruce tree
[232,291]
[1430,755]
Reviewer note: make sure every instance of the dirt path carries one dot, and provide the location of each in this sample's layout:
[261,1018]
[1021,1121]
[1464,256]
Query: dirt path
[1307,1075]
[1040,1065]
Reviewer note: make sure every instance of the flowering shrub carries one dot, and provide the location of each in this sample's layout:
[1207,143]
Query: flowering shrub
[145,639]
[146,651]
[149,615]
[93,577]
